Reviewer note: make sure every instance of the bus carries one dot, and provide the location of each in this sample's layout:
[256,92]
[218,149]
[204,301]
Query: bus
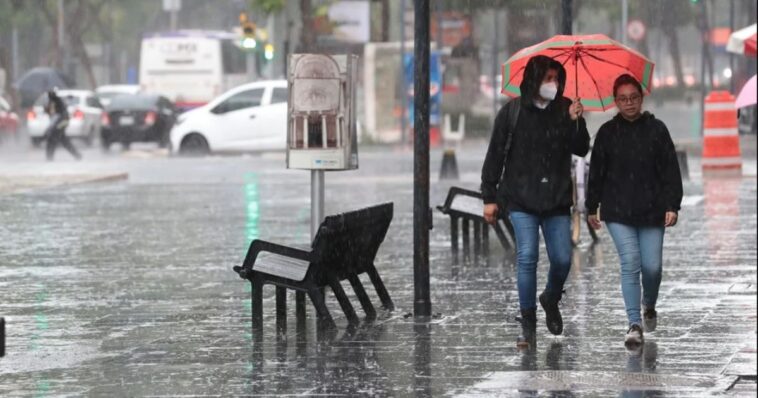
[191,67]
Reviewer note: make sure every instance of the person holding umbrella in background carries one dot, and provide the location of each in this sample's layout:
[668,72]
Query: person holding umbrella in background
[635,187]
[527,175]
[56,132]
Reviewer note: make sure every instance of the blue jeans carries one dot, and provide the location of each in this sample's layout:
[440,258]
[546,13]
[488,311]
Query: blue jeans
[557,233]
[640,249]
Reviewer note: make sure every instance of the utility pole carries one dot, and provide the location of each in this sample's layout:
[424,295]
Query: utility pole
[566,7]
[422,305]
[731,54]
[624,20]
[61,31]
[404,88]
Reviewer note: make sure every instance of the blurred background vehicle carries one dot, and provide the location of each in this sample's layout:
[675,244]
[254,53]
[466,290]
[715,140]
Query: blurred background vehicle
[84,110]
[137,118]
[105,93]
[191,67]
[251,117]
[8,121]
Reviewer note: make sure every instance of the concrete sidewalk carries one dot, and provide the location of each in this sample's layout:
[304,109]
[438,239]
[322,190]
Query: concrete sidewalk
[127,290]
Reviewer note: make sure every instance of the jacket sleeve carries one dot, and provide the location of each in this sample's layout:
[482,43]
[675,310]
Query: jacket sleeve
[580,137]
[668,169]
[598,169]
[492,169]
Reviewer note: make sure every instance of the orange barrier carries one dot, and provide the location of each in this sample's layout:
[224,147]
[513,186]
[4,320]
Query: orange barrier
[721,141]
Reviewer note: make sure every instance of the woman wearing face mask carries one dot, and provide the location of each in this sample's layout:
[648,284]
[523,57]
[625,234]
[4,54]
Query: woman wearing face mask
[635,183]
[527,176]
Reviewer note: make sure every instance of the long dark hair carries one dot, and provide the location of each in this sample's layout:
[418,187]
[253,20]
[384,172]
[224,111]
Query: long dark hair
[535,72]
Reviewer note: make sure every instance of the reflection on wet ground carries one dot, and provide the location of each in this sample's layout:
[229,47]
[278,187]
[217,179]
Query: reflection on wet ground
[127,290]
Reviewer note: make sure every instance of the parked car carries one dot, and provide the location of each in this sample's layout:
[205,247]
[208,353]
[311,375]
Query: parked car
[107,92]
[84,109]
[250,117]
[8,121]
[134,118]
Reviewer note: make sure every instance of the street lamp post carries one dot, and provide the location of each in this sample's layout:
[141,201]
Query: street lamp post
[422,305]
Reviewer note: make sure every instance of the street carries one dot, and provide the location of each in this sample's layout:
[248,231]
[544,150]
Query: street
[124,287]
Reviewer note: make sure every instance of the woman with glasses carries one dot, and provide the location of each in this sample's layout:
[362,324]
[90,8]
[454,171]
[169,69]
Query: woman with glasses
[635,187]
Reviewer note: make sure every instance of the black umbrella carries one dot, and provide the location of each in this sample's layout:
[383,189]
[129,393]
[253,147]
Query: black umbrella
[38,80]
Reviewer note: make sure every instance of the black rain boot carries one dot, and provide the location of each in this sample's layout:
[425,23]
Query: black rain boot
[528,337]
[553,317]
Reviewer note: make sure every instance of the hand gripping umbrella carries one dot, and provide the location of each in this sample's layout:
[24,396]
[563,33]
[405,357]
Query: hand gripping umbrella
[594,61]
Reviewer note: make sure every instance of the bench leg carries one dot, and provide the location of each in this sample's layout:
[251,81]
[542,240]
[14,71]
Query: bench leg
[281,309]
[477,238]
[454,237]
[318,301]
[300,307]
[485,239]
[501,236]
[466,245]
[368,308]
[347,308]
[381,291]
[257,304]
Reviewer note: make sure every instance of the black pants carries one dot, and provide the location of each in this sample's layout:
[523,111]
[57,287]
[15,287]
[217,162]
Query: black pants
[57,135]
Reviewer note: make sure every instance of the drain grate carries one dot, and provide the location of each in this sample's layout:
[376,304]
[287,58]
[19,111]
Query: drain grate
[584,380]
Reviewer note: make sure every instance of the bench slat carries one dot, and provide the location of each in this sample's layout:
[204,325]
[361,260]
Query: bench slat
[281,266]
[467,204]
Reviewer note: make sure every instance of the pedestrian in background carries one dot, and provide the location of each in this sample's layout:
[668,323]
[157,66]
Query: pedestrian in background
[636,188]
[527,176]
[56,132]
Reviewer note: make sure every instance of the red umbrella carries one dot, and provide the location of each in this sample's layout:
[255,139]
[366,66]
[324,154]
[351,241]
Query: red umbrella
[592,62]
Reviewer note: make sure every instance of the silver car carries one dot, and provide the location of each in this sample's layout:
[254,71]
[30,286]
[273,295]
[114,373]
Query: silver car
[85,114]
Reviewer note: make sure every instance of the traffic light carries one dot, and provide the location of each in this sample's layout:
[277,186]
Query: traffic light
[248,32]
[268,52]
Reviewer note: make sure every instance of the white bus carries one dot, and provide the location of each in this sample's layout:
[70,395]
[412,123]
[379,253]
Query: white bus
[191,67]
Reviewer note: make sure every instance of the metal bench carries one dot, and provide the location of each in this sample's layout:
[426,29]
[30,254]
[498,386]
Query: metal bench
[344,247]
[467,205]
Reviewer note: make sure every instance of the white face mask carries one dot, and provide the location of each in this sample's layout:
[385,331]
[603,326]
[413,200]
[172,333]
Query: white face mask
[548,91]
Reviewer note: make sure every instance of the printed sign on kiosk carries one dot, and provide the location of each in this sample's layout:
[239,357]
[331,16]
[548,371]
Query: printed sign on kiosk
[321,131]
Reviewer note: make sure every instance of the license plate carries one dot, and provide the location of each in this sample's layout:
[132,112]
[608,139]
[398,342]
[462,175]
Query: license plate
[126,120]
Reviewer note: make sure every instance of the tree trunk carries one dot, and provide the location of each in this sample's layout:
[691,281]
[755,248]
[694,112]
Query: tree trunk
[52,22]
[307,39]
[385,21]
[670,30]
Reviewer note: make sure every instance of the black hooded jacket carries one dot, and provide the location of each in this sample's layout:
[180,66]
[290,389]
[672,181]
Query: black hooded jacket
[634,174]
[535,175]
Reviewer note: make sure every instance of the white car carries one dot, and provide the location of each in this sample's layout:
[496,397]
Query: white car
[84,111]
[105,93]
[250,117]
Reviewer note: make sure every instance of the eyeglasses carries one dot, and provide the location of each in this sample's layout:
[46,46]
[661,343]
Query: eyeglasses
[632,99]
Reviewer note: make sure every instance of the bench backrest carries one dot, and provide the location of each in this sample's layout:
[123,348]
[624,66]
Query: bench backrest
[347,243]
[463,203]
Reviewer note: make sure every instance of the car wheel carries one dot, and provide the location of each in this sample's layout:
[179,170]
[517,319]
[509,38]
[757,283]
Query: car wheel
[125,145]
[105,144]
[194,145]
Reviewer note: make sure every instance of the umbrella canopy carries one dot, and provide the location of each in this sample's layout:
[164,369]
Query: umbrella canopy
[592,62]
[38,80]
[747,94]
[743,41]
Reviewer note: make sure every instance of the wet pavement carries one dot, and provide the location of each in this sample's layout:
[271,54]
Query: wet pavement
[125,288]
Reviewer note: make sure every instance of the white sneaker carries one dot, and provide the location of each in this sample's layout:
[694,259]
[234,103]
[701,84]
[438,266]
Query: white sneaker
[634,335]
